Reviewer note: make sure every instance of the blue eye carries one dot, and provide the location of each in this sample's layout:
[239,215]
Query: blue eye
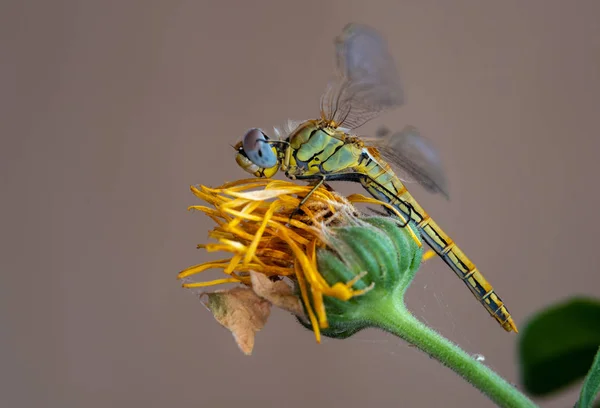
[258,150]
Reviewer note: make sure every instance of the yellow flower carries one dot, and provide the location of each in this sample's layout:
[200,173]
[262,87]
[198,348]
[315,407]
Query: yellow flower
[258,223]
[356,267]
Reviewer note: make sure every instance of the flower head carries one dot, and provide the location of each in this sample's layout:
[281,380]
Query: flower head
[332,253]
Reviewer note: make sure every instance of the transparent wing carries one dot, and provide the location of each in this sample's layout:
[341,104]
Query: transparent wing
[366,81]
[415,157]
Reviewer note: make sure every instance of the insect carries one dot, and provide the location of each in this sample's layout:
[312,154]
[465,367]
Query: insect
[367,83]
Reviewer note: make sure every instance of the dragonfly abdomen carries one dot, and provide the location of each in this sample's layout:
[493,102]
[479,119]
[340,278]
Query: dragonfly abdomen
[380,181]
[452,255]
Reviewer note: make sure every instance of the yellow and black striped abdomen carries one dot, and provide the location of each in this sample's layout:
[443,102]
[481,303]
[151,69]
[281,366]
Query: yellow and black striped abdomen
[318,151]
[383,184]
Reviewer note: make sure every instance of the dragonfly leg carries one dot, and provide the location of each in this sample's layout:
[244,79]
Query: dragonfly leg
[298,208]
[327,186]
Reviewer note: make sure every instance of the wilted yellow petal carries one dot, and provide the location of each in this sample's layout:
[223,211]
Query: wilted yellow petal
[258,235]
[257,223]
[192,270]
[306,301]
[210,283]
[263,195]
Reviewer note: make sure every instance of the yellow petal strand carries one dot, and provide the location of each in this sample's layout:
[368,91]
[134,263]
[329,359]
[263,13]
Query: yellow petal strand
[275,227]
[311,253]
[244,183]
[339,290]
[210,283]
[320,309]
[221,247]
[252,247]
[248,209]
[233,245]
[238,232]
[220,220]
[208,195]
[266,269]
[204,209]
[296,224]
[308,212]
[237,203]
[272,253]
[274,184]
[235,260]
[236,186]
[219,234]
[192,270]
[428,255]
[300,256]
[240,214]
[262,195]
[313,278]
[306,301]
[258,218]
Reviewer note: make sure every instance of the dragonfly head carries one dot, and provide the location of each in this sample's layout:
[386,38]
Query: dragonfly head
[256,155]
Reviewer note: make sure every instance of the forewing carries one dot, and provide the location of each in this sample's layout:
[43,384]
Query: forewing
[366,82]
[414,156]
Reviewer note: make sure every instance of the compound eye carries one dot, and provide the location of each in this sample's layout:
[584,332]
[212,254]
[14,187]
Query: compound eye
[258,149]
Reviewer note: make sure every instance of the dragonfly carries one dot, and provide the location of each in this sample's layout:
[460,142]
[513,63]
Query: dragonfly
[366,83]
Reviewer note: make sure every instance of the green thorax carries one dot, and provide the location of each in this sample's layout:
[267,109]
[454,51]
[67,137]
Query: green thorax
[319,149]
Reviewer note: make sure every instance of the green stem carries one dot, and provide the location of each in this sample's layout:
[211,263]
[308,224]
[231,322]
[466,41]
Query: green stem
[396,319]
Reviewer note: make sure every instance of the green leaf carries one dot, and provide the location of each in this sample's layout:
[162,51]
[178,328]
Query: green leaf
[591,385]
[557,345]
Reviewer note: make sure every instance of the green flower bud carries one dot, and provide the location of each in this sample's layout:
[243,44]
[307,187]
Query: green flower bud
[376,253]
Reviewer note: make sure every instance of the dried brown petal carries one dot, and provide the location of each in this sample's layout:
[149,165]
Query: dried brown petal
[279,293]
[241,311]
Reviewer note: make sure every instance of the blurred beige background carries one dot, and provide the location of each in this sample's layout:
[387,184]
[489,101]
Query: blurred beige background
[111,109]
